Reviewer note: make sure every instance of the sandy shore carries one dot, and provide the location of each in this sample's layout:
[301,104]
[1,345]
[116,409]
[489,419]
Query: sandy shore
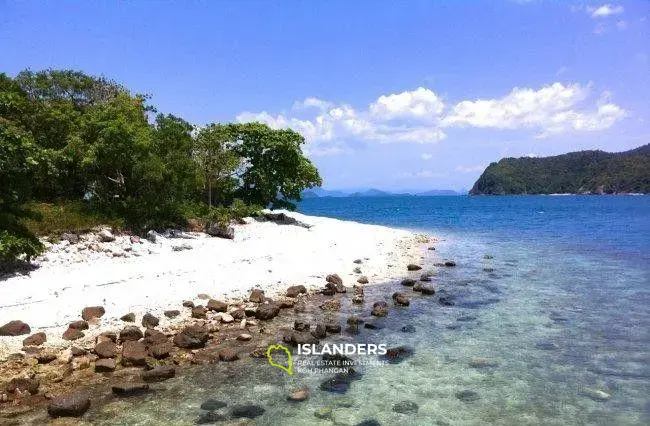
[155,277]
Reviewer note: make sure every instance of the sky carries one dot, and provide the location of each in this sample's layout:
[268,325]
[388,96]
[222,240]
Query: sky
[413,95]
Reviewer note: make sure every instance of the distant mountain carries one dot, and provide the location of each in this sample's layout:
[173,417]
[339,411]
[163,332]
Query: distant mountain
[582,172]
[372,192]
[438,192]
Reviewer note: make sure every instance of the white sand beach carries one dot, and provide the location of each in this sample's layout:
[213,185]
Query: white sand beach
[155,277]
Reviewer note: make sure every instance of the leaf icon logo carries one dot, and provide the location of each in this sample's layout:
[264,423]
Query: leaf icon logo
[269,355]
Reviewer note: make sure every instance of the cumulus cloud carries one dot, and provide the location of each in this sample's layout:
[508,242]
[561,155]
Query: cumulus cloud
[604,11]
[420,116]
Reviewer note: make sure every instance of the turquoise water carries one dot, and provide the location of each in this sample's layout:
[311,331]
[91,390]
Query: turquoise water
[552,328]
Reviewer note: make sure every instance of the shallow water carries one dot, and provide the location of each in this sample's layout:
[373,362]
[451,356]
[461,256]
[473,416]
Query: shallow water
[554,329]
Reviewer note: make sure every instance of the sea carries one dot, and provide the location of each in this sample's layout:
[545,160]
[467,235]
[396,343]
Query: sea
[544,320]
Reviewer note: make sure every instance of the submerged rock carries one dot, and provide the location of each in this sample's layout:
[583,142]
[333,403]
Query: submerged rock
[159,374]
[323,413]
[299,395]
[210,417]
[467,395]
[398,354]
[406,407]
[247,411]
[408,329]
[212,404]
[597,395]
[130,389]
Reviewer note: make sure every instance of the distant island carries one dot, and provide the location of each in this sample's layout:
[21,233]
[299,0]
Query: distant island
[583,172]
[372,192]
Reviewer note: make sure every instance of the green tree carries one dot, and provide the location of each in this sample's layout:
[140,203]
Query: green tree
[217,162]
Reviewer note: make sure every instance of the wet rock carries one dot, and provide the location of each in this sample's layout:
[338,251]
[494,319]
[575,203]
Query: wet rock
[188,304]
[400,299]
[340,383]
[247,411]
[212,405]
[130,317]
[425,289]
[69,405]
[158,374]
[35,339]
[406,407]
[466,318]
[447,300]
[375,325]
[244,337]
[215,229]
[192,337]
[91,312]
[363,280]
[426,276]
[150,321]
[173,313]
[133,353]
[15,328]
[334,279]
[379,309]
[296,338]
[324,413]
[296,290]
[131,333]
[217,306]
[413,267]
[23,384]
[210,417]
[299,395]
[333,328]
[408,282]
[79,325]
[331,305]
[160,350]
[467,395]
[301,326]
[450,263]
[398,354]
[432,248]
[199,312]
[130,389]
[371,422]
[408,329]
[357,270]
[106,349]
[256,296]
[228,355]
[354,320]
[267,311]
[320,331]
[105,365]
[72,334]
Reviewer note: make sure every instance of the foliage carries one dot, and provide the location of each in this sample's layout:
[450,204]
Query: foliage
[216,162]
[576,172]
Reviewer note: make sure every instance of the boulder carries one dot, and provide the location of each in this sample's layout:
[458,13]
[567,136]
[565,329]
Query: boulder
[413,267]
[199,312]
[92,312]
[295,290]
[79,325]
[105,236]
[36,339]
[320,331]
[72,334]
[192,337]
[450,263]
[217,305]
[160,350]
[23,384]
[159,374]
[228,355]
[267,311]
[238,314]
[107,336]
[131,333]
[173,313]
[246,411]
[188,304]
[106,349]
[130,389]
[215,229]
[362,279]
[154,337]
[425,289]
[256,296]
[150,321]
[69,405]
[379,309]
[15,328]
[130,317]
[70,237]
[334,279]
[133,353]
[408,282]
[400,299]
[105,365]
[296,338]
[333,327]
[335,284]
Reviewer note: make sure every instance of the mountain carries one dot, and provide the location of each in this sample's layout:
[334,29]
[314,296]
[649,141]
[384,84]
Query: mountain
[372,192]
[438,192]
[582,172]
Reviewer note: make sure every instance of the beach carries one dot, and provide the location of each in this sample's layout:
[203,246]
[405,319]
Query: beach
[138,276]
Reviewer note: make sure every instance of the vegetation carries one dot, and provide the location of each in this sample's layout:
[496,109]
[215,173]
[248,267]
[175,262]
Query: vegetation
[77,149]
[593,172]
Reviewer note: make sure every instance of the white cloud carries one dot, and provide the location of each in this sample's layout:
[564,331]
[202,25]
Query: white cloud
[470,169]
[311,103]
[421,104]
[604,11]
[426,156]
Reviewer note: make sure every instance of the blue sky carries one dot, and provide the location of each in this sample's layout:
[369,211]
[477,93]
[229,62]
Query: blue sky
[392,95]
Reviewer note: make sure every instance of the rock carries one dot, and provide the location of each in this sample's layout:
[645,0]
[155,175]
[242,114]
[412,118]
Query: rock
[92,312]
[331,305]
[69,405]
[324,413]
[413,267]
[105,349]
[408,329]
[203,296]
[79,325]
[47,355]
[357,270]
[363,280]
[400,299]
[226,318]
[188,304]
[77,351]
[159,374]
[296,338]
[72,334]
[217,305]
[69,237]
[182,247]
[173,313]
[597,395]
[335,284]
[425,289]
[134,239]
[210,417]
[340,383]
[256,296]
[15,328]
[379,309]
[105,236]
[426,276]
[192,337]
[107,336]
[105,365]
[131,333]
[238,314]
[246,411]
[286,303]
[408,282]
[244,337]
[301,326]
[431,248]
[354,320]
[228,355]
[299,395]
[334,279]
[130,389]
[133,353]
[150,321]
[36,339]
[357,261]
[212,405]
[23,384]
[199,312]
[215,229]
[160,350]
[320,331]
[406,407]
[295,290]
[267,311]
[483,363]
[467,396]
[333,328]
[154,337]
[130,317]
[450,263]
[398,354]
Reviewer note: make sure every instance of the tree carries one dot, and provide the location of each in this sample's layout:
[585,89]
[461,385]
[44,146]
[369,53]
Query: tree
[273,169]
[217,162]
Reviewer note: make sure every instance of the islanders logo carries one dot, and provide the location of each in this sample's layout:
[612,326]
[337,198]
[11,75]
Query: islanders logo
[280,349]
